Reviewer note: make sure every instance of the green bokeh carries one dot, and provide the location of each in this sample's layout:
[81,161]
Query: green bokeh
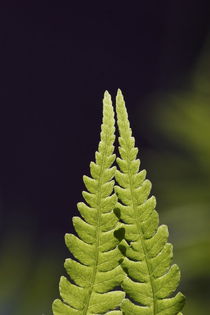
[180,168]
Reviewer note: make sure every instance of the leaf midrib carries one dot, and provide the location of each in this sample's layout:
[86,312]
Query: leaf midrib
[139,229]
[98,230]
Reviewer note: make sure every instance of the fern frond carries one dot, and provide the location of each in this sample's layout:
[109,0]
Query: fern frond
[150,277]
[95,271]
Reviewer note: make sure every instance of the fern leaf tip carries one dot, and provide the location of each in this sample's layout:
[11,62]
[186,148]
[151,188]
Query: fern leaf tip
[119,91]
[119,97]
[107,98]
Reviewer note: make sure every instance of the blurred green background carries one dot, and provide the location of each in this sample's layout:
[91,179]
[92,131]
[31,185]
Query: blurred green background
[179,166]
[59,62]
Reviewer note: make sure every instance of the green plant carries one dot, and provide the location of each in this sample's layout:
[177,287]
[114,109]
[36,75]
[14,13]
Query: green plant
[119,243]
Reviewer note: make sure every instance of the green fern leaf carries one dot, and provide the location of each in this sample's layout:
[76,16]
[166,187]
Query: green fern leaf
[150,277]
[95,271]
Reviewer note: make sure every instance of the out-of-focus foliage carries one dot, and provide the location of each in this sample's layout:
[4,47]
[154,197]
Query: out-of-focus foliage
[182,122]
[28,281]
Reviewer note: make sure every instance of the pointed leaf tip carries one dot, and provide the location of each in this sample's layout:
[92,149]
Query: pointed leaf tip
[107,98]
[119,97]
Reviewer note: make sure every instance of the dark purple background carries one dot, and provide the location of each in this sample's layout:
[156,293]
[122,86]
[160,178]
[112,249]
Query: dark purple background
[56,63]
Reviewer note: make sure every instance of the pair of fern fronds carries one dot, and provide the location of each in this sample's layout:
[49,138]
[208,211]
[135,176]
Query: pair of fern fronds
[119,243]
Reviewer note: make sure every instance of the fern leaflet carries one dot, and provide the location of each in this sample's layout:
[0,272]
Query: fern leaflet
[150,277]
[95,271]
